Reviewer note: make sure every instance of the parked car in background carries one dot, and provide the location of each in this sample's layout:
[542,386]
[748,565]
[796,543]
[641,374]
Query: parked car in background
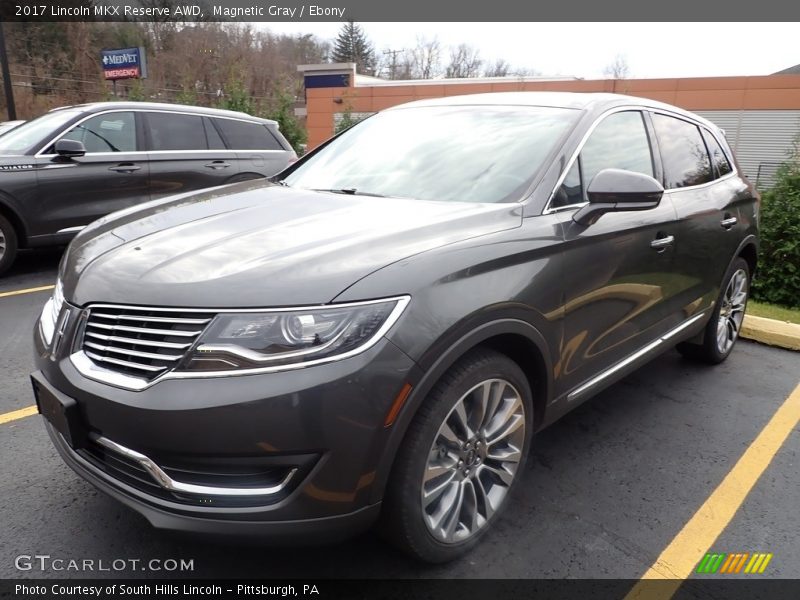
[60,172]
[7,126]
[378,334]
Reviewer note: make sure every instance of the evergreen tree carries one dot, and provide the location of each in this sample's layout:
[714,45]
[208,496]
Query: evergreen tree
[352,45]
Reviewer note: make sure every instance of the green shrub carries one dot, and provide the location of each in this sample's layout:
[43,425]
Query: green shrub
[778,278]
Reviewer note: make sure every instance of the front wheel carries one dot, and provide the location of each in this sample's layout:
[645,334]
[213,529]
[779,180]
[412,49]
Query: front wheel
[726,320]
[463,454]
[8,244]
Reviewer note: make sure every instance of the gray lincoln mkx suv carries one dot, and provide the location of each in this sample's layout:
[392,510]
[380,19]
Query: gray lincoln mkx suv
[376,334]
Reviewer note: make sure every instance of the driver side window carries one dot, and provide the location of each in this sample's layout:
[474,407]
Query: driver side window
[620,141]
[110,132]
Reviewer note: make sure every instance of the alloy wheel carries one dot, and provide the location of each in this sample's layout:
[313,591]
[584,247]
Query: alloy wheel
[731,312]
[473,460]
[2,244]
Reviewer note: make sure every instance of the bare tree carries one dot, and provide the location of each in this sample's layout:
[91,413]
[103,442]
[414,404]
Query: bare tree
[465,61]
[618,68]
[424,60]
[500,68]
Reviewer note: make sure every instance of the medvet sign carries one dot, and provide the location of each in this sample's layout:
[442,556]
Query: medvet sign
[124,63]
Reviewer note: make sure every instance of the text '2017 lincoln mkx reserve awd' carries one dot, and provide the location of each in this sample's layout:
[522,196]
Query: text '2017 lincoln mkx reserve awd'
[375,335]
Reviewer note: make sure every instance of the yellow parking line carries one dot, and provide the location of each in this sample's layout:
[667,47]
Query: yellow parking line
[18,414]
[680,557]
[42,288]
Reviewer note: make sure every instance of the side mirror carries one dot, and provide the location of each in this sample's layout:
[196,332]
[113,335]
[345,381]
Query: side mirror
[613,190]
[70,148]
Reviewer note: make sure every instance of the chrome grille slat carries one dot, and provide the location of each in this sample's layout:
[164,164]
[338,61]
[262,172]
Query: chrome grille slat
[141,341]
[183,321]
[138,342]
[164,332]
[140,354]
[124,363]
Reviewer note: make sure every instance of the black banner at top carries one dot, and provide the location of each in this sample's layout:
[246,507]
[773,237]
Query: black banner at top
[404,11]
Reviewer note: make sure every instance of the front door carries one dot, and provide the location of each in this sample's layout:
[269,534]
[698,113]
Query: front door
[617,272]
[114,174]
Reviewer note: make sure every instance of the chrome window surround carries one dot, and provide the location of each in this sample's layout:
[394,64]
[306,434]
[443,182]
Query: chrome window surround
[642,108]
[168,483]
[41,154]
[91,370]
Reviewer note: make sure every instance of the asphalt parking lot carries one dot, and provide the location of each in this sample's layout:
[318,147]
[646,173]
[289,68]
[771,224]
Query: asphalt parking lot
[607,489]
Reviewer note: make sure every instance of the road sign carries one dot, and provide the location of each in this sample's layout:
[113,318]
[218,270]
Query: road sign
[124,63]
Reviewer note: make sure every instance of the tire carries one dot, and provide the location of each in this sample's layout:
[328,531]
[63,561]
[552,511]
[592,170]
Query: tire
[470,477]
[723,327]
[8,244]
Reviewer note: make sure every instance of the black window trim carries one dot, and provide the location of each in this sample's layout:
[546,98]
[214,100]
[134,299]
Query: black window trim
[136,111]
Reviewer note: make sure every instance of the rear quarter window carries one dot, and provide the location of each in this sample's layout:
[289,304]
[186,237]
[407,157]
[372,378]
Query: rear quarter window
[242,135]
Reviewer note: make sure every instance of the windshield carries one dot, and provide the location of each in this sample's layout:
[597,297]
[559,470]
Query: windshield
[448,153]
[25,137]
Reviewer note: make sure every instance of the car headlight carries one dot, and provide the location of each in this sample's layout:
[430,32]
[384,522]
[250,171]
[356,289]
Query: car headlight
[50,312]
[282,337]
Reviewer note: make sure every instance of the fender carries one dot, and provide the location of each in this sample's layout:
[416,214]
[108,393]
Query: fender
[9,210]
[430,371]
[749,240]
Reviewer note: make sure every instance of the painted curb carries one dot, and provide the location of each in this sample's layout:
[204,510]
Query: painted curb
[772,332]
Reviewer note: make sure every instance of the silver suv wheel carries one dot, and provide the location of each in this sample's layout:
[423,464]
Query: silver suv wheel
[731,312]
[473,460]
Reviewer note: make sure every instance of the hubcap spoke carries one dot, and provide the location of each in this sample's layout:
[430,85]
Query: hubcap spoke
[473,460]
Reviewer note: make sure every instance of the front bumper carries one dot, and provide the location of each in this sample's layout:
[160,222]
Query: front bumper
[326,422]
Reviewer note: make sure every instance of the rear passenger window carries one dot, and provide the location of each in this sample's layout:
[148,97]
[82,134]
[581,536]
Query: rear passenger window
[682,152]
[619,142]
[110,132]
[718,159]
[172,131]
[241,135]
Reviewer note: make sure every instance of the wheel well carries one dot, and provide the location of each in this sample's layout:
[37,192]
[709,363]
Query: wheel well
[529,358]
[16,223]
[749,254]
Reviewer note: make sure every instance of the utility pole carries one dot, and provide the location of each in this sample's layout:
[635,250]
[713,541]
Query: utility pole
[12,110]
[393,64]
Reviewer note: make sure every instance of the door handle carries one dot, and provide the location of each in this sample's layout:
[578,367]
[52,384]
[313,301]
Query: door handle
[728,222]
[125,168]
[661,243]
[218,164]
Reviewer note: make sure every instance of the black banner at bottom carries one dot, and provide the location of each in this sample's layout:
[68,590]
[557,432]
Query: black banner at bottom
[426,589]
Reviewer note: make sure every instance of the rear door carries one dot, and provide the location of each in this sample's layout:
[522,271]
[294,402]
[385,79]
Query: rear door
[186,153]
[618,271]
[705,194]
[112,175]
[261,151]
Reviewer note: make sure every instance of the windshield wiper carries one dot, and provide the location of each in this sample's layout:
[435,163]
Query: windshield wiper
[351,192]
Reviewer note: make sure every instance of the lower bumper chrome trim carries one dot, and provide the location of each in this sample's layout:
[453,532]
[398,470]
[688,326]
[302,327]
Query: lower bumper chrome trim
[165,481]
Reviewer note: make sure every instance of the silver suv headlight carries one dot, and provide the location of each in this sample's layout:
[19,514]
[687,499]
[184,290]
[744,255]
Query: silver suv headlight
[50,312]
[283,337]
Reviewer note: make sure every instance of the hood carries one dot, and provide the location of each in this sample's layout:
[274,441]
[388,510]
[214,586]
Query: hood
[260,245]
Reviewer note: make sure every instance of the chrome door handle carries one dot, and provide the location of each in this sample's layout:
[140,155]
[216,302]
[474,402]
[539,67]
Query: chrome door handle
[729,222]
[218,164]
[662,242]
[125,168]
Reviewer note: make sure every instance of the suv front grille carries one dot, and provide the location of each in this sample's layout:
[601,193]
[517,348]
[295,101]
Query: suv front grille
[143,342]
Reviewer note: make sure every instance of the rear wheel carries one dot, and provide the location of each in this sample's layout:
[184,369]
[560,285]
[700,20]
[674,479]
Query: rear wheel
[723,328]
[463,454]
[8,244]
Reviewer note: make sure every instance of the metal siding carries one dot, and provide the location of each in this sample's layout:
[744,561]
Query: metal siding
[761,139]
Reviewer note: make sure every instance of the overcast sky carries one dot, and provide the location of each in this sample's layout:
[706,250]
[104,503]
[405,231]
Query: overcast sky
[584,49]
